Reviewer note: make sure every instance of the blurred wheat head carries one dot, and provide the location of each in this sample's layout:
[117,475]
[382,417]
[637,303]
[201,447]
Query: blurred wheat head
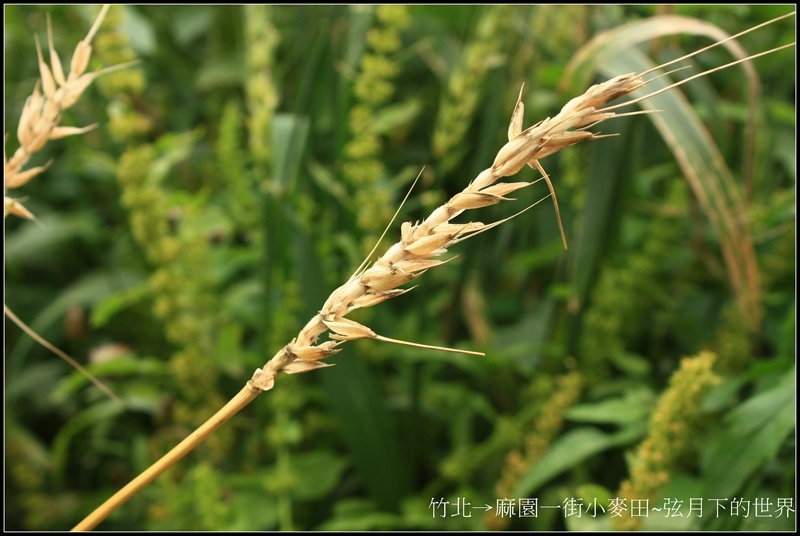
[41,116]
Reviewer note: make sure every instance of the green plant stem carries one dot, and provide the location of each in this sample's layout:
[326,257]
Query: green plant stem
[248,393]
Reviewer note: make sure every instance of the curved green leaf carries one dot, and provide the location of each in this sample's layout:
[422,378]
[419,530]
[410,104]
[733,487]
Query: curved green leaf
[570,450]
[688,139]
[754,433]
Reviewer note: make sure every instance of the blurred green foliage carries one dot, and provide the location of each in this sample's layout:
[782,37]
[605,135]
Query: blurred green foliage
[225,194]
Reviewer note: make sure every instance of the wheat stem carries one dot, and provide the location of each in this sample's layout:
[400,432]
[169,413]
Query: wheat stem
[242,399]
[407,259]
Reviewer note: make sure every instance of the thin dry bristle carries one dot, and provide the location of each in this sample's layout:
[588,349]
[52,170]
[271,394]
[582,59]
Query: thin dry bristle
[720,42]
[696,76]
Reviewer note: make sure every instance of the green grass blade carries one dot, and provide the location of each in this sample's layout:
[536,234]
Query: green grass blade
[688,139]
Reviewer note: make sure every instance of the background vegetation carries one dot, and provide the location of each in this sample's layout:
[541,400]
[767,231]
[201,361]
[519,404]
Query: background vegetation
[244,167]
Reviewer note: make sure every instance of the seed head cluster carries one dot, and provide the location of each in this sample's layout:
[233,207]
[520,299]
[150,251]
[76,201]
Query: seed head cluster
[422,244]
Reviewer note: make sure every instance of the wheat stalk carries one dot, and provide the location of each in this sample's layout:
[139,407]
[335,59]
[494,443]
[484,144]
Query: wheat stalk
[415,253]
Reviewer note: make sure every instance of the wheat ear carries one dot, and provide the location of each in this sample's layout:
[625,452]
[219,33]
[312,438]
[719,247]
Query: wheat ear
[409,258]
[41,116]
[420,243]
